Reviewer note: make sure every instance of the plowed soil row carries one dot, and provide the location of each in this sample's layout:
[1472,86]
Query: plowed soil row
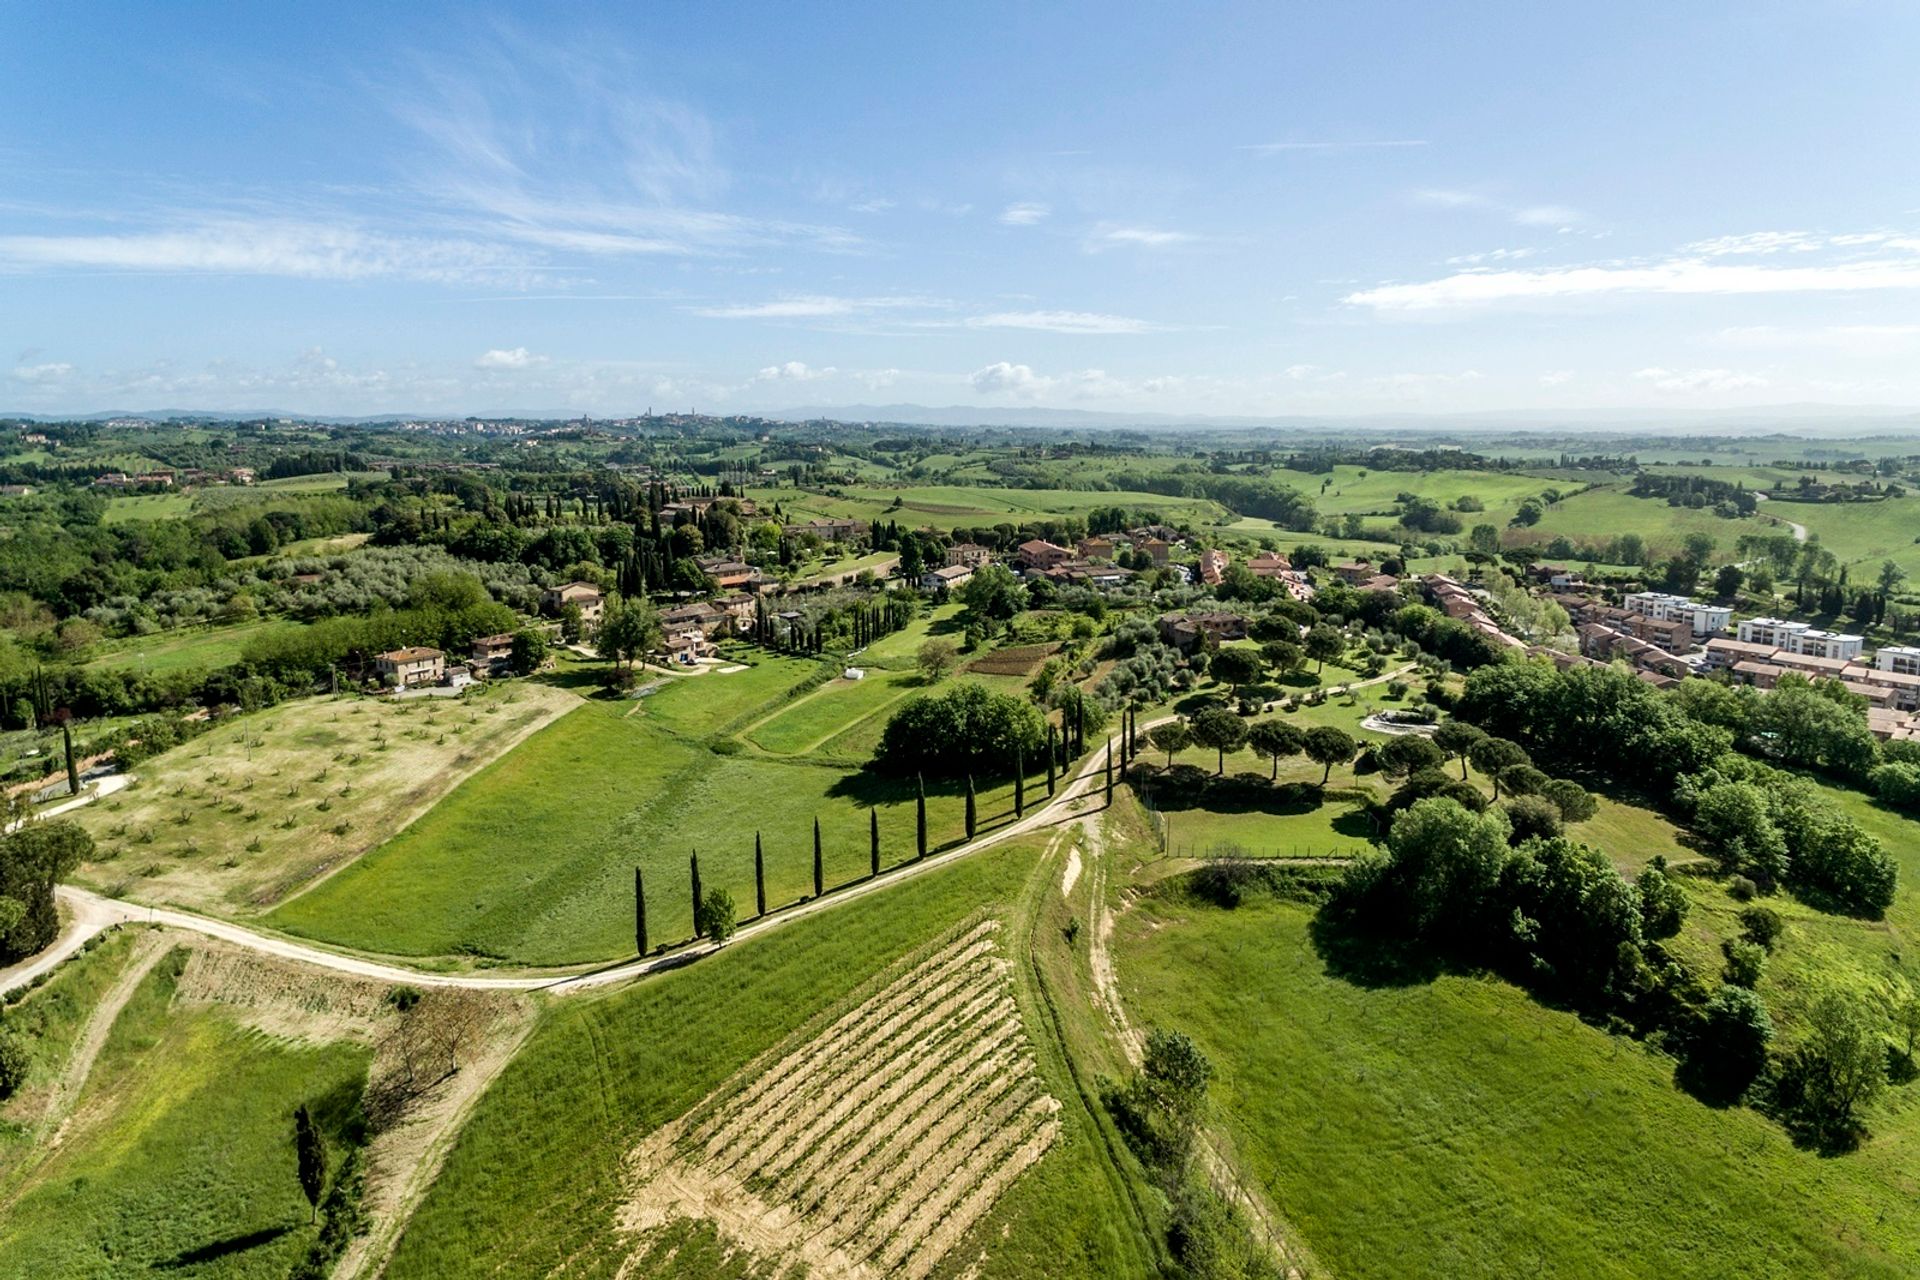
[868,1147]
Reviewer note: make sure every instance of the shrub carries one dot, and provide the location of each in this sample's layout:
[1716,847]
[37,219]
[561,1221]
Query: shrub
[1741,889]
[1761,926]
[14,1061]
[1746,962]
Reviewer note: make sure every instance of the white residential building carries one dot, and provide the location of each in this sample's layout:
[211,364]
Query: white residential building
[1773,631]
[1903,659]
[1705,619]
[1826,644]
[1803,638]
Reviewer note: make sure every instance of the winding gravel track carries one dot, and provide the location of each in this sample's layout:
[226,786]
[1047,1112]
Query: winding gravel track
[90,913]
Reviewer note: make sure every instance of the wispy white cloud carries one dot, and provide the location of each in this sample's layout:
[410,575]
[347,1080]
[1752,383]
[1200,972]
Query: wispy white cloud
[41,373]
[1845,339]
[1025,214]
[794,371]
[1556,377]
[1117,236]
[1492,255]
[1691,381]
[809,307]
[1525,215]
[1061,322]
[1680,276]
[502,358]
[272,247]
[1379,144]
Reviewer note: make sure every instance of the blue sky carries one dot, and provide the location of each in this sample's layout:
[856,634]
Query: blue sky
[1193,208]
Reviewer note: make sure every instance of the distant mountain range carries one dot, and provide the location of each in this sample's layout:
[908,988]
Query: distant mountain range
[1827,420]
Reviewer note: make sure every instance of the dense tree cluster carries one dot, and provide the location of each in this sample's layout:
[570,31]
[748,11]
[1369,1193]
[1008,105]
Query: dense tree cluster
[965,730]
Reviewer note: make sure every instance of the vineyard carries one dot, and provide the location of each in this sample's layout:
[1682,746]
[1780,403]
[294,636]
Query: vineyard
[870,1146]
[1022,660]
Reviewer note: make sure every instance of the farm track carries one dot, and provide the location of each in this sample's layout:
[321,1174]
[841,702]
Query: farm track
[93,912]
[55,1120]
[870,1146]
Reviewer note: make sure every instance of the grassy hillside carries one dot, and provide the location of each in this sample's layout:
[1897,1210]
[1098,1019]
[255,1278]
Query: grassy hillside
[538,1180]
[532,859]
[1457,1128]
[180,1156]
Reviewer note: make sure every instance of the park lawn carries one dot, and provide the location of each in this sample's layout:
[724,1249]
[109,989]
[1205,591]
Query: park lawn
[180,1156]
[810,720]
[133,508]
[261,804]
[1456,1128]
[186,649]
[701,706]
[1307,827]
[536,1182]
[531,860]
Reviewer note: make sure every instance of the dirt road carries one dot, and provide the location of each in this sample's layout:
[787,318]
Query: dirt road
[91,912]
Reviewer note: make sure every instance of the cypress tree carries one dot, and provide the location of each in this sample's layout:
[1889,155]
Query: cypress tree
[73,770]
[972,808]
[920,829]
[819,885]
[639,913]
[759,877]
[310,1149]
[873,837]
[1109,771]
[1052,758]
[696,892]
[1019,782]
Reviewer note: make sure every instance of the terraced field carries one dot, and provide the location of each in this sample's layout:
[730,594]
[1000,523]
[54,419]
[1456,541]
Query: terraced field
[869,1147]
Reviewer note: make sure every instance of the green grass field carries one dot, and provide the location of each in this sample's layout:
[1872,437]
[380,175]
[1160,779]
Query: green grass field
[532,859]
[840,704]
[966,506]
[188,649]
[1371,492]
[1457,1128]
[535,1185]
[1600,515]
[180,1157]
[132,508]
[50,1019]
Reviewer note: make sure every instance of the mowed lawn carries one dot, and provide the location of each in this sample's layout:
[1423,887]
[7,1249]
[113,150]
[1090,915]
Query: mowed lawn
[531,860]
[180,1157]
[815,717]
[536,1183]
[1457,1128]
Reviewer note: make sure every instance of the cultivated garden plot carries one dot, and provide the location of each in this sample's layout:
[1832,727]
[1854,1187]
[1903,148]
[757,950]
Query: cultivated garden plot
[872,1146]
[256,809]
